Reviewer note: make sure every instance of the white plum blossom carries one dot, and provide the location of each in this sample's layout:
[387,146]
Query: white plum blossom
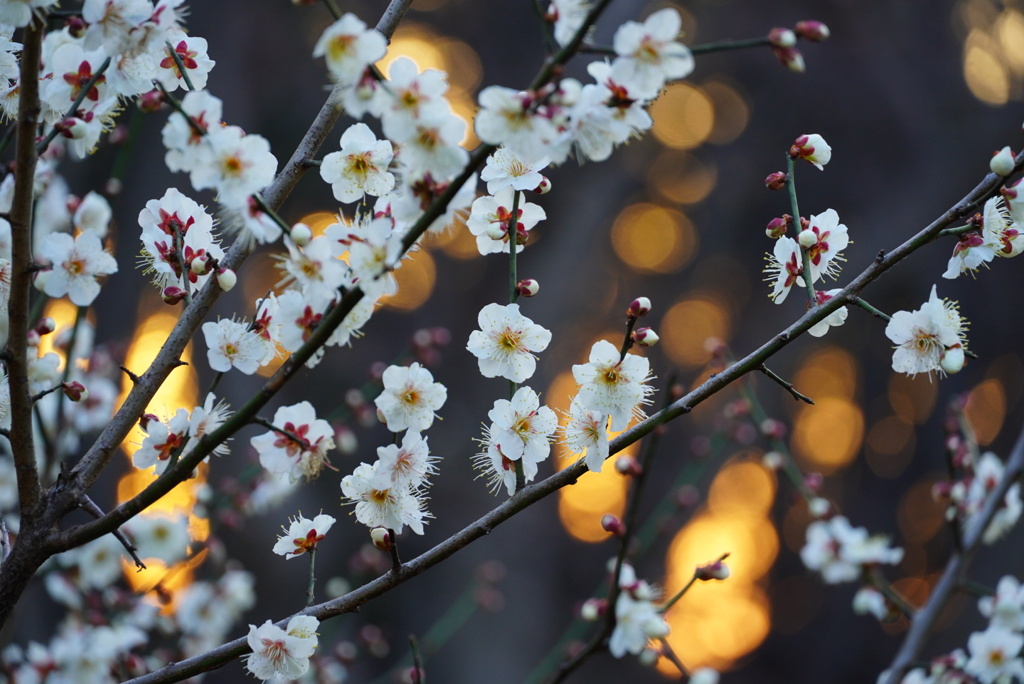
[613,385]
[509,117]
[491,218]
[829,238]
[410,398]
[302,535]
[192,51]
[73,68]
[1000,235]
[234,164]
[568,17]
[204,420]
[93,215]
[813,148]
[834,319]
[282,653]
[586,433]
[76,263]
[924,336]
[506,169]
[409,464]
[231,343]
[185,145]
[19,12]
[298,448]
[784,269]
[840,551]
[648,54]
[1006,607]
[349,47]
[160,535]
[162,441]
[995,655]
[175,231]
[415,98]
[505,342]
[313,268]
[637,619]
[521,428]
[361,167]
[969,497]
[382,502]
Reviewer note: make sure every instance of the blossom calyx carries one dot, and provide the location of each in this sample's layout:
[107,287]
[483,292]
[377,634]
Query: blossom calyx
[1002,162]
[713,571]
[777,227]
[638,307]
[776,181]
[544,187]
[812,30]
[151,101]
[173,295]
[75,391]
[45,326]
[813,148]
[528,287]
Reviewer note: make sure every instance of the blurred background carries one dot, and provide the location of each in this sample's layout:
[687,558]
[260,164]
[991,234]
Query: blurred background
[914,97]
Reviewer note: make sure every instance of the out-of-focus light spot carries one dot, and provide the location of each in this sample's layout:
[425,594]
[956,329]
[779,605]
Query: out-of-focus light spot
[986,408]
[912,398]
[456,241]
[687,327]
[828,435]
[681,177]
[732,114]
[1009,29]
[890,444]
[919,515]
[649,238]
[63,313]
[417,42]
[464,107]
[318,221]
[684,116]
[744,487]
[581,505]
[462,64]
[415,279]
[984,72]
[828,372]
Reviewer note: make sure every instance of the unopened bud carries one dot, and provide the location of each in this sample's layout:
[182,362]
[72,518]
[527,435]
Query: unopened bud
[773,460]
[713,571]
[639,307]
[381,538]
[777,227]
[76,26]
[814,481]
[610,523]
[544,187]
[648,657]
[813,148]
[1002,162]
[226,278]
[812,30]
[301,234]
[819,507]
[496,231]
[45,326]
[592,609]
[645,337]
[952,360]
[772,428]
[145,419]
[75,391]
[528,287]
[776,181]
[200,265]
[150,102]
[807,239]
[173,295]
[627,465]
[791,58]
[782,37]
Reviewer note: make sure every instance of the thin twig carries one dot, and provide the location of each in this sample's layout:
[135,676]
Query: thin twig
[90,507]
[788,386]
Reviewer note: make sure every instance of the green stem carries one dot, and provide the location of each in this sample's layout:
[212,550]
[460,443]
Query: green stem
[311,589]
[180,64]
[805,256]
[82,94]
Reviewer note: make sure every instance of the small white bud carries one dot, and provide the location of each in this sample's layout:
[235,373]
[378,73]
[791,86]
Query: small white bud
[952,360]
[301,234]
[226,278]
[807,239]
[1002,162]
[818,507]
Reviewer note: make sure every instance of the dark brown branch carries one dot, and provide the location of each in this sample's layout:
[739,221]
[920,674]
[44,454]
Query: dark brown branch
[90,507]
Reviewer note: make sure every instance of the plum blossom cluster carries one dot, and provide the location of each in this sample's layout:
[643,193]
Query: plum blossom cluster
[993,233]
[520,433]
[841,552]
[282,653]
[637,617]
[391,492]
[296,448]
[589,119]
[993,654]
[168,440]
[965,496]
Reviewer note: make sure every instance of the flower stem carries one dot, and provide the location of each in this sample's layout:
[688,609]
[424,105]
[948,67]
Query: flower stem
[812,298]
[311,590]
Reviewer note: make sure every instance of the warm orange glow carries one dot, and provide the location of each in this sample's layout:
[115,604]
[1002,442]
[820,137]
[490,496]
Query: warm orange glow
[912,397]
[684,116]
[649,238]
[681,177]
[1009,30]
[689,324]
[920,516]
[318,221]
[986,409]
[828,435]
[732,114]
[742,487]
[417,42]
[890,446]
[983,69]
[63,313]
[456,241]
[828,372]
[415,279]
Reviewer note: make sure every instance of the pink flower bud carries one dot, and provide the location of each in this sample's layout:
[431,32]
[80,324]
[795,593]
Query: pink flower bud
[145,419]
[782,38]
[1002,162]
[226,278]
[812,30]
[544,187]
[814,481]
[32,338]
[639,307]
[775,429]
[777,227]
[528,287]
[645,337]
[173,295]
[150,102]
[593,608]
[381,538]
[627,465]
[610,523]
[301,234]
[45,326]
[791,58]
[813,148]
[200,264]
[76,26]
[75,391]
[776,181]
[713,571]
